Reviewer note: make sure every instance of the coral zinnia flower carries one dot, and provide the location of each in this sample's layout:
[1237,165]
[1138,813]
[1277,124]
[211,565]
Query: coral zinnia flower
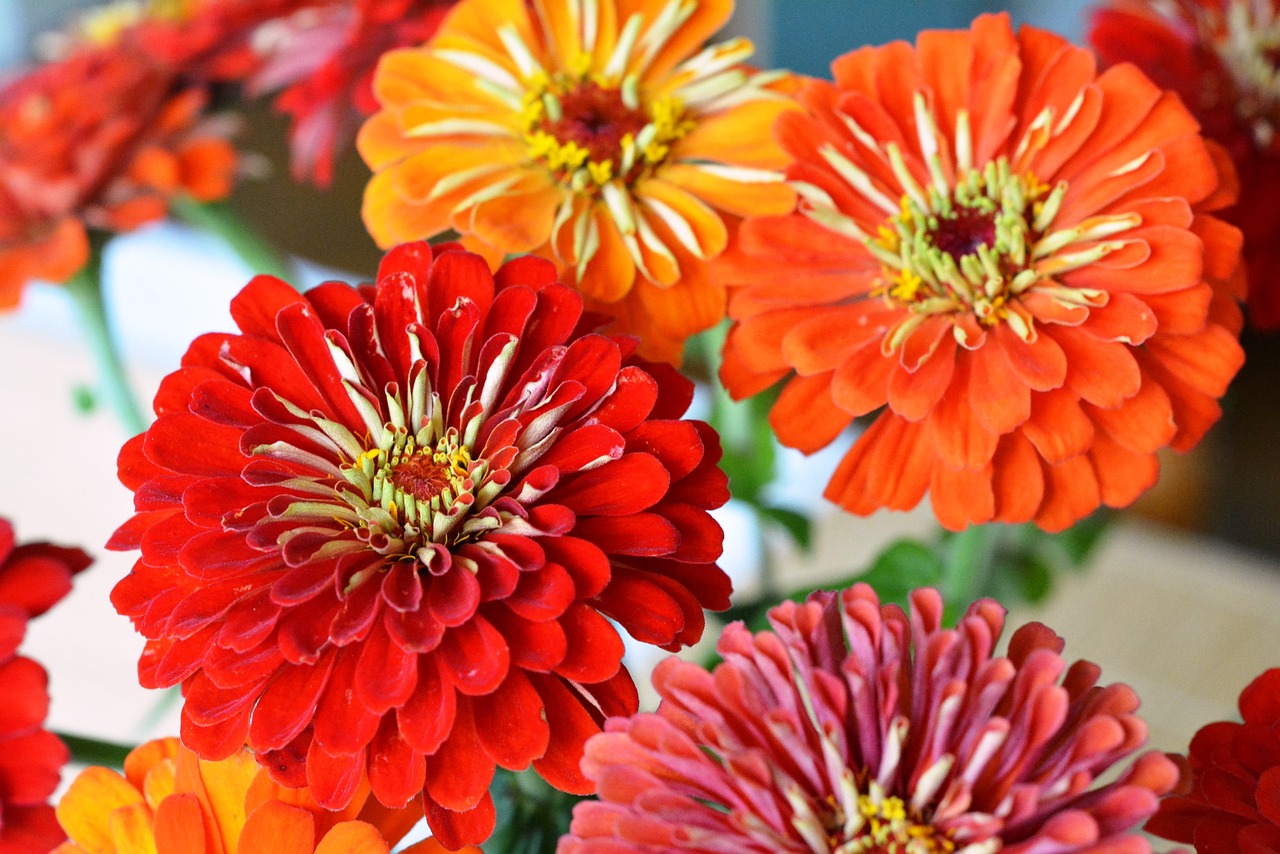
[1232,779]
[33,577]
[100,140]
[324,59]
[853,727]
[384,528]
[583,131]
[1008,257]
[171,802]
[1220,56]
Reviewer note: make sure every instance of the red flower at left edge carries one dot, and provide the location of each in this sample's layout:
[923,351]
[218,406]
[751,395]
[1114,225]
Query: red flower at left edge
[33,577]
[102,139]
[384,529]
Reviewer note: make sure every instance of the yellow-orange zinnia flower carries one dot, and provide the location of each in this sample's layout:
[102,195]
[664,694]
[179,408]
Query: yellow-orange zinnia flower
[1010,260]
[585,132]
[171,802]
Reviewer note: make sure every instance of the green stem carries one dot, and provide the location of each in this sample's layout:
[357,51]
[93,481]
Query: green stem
[85,288]
[969,562]
[91,751]
[221,220]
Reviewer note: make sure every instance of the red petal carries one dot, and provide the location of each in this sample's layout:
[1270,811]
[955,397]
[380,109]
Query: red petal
[459,773]
[397,771]
[427,717]
[288,704]
[457,829]
[476,656]
[511,723]
[570,727]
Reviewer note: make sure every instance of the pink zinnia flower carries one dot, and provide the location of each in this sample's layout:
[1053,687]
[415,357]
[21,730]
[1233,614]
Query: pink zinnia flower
[853,727]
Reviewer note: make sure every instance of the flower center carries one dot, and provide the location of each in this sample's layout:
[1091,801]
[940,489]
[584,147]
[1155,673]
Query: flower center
[414,490]
[886,828]
[1249,48]
[967,251]
[588,132]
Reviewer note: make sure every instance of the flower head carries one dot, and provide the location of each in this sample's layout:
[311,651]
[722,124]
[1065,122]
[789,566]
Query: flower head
[853,727]
[169,801]
[1221,57]
[586,132]
[386,529]
[1006,258]
[324,58]
[33,577]
[101,140]
[1229,800]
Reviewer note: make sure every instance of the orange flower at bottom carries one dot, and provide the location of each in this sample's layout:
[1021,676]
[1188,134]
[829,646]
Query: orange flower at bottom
[171,802]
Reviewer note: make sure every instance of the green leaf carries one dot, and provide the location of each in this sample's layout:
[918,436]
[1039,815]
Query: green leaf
[798,525]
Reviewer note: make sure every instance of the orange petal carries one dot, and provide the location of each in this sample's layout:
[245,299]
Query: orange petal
[1058,426]
[1122,474]
[1071,492]
[1000,400]
[804,416]
[226,784]
[143,758]
[708,17]
[381,143]
[352,837]
[741,136]
[85,809]
[391,220]
[180,827]
[741,198]
[520,219]
[961,498]
[960,440]
[692,304]
[132,831]
[913,394]
[611,272]
[688,221]
[473,24]
[1017,481]
[888,466]
[277,828]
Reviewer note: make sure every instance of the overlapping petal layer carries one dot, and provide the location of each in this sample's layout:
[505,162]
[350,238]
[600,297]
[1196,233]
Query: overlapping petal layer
[1219,56]
[33,577]
[100,140]
[598,134]
[385,530]
[855,727]
[169,801]
[1004,259]
[1229,800]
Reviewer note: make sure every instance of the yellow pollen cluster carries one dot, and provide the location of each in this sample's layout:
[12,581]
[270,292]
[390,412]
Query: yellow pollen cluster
[571,162]
[887,828]
[969,250]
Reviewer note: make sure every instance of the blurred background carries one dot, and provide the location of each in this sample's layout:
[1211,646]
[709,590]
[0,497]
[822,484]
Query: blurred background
[1214,517]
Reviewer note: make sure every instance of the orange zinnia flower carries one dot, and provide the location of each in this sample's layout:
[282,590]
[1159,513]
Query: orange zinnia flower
[171,802]
[1005,254]
[585,132]
[103,139]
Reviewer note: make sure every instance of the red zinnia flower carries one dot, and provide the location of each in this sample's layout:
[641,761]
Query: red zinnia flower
[383,528]
[33,577]
[1232,800]
[1008,258]
[325,59]
[1220,56]
[857,728]
[101,140]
